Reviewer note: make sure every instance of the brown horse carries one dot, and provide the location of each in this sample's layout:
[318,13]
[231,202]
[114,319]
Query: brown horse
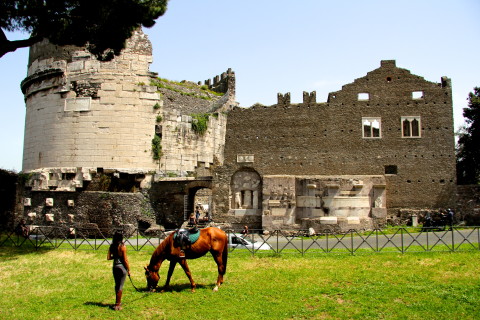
[211,239]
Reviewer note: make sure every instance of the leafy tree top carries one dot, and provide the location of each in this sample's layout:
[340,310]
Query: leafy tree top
[468,151]
[102,25]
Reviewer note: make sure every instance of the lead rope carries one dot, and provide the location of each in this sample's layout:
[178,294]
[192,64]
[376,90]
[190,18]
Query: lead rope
[133,284]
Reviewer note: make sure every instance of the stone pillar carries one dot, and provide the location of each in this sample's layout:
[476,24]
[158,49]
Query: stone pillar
[414,220]
[255,199]
[247,199]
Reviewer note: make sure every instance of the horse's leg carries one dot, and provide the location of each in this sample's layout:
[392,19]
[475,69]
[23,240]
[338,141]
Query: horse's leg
[221,260]
[183,263]
[166,287]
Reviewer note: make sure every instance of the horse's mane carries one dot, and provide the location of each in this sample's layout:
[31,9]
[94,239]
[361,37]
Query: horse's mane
[160,251]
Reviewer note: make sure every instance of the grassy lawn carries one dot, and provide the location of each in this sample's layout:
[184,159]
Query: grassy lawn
[67,284]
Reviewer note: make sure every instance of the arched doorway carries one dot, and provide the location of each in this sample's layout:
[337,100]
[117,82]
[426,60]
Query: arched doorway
[199,194]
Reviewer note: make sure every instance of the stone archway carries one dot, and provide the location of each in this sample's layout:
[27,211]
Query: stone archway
[198,193]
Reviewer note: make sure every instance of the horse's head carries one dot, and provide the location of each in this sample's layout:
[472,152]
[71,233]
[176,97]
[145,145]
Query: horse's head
[152,278]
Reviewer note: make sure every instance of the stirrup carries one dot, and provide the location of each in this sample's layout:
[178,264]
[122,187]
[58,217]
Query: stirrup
[182,254]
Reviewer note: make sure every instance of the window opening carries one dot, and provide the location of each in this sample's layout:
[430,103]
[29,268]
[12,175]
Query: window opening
[417,95]
[411,127]
[363,96]
[391,169]
[371,127]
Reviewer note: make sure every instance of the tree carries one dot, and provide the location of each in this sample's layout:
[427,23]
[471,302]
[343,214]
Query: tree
[468,147]
[101,25]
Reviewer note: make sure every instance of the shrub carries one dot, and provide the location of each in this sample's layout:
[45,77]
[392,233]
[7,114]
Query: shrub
[200,123]
[157,147]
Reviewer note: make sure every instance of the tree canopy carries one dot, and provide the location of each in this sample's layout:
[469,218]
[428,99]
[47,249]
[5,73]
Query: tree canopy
[468,147]
[102,25]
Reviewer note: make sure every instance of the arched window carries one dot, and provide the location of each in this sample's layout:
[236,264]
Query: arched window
[411,127]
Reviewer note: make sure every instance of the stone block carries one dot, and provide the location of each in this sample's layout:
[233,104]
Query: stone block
[328,220]
[278,211]
[353,220]
[75,66]
[109,86]
[379,212]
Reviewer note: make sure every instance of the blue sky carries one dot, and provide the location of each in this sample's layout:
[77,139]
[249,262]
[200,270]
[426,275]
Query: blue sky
[289,46]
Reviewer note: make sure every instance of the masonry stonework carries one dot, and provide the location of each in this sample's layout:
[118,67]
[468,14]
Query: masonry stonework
[356,144]
[91,126]
[381,145]
[81,112]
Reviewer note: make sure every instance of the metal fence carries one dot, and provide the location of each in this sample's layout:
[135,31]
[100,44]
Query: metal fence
[399,240]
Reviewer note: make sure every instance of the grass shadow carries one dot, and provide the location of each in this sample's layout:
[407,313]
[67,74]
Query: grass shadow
[181,287]
[98,304]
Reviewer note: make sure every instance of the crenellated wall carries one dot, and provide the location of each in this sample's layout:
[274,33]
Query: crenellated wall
[341,138]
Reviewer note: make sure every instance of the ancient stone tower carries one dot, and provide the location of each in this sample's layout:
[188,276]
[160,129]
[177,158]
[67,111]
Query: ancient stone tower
[118,128]
[85,116]
[81,112]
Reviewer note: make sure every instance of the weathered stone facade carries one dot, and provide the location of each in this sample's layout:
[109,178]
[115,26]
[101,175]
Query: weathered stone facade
[11,196]
[81,112]
[90,126]
[382,143]
[94,208]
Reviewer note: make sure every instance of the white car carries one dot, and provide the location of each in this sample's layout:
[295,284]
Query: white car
[241,242]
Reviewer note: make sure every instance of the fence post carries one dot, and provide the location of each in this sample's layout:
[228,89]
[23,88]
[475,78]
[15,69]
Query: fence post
[453,238]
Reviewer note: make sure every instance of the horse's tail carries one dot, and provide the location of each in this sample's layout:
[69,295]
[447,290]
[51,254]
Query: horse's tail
[225,255]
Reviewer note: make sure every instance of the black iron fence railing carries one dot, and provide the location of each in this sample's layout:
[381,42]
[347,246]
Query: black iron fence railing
[400,240]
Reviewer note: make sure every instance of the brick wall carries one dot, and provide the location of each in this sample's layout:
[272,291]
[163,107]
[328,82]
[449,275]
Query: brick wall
[326,138]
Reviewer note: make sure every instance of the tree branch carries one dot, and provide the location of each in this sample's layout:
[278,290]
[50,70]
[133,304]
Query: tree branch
[7,46]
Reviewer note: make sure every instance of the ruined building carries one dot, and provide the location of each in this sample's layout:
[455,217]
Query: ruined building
[111,143]
[382,144]
[97,132]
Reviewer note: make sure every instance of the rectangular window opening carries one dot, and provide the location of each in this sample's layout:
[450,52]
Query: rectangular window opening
[391,169]
[363,96]
[371,127]
[417,95]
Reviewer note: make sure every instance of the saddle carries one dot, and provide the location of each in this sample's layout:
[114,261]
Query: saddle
[184,238]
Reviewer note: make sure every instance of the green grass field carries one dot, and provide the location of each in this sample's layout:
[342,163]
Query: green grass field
[67,284]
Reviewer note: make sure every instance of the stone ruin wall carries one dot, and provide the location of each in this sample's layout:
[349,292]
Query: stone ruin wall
[311,138]
[89,131]
[91,210]
[85,113]
[185,152]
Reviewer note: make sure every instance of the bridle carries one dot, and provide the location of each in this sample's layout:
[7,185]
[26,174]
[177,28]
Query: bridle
[148,275]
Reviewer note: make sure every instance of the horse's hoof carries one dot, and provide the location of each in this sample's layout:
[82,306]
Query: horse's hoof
[215,289]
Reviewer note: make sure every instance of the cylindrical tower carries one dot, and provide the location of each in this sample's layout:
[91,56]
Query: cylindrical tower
[84,113]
